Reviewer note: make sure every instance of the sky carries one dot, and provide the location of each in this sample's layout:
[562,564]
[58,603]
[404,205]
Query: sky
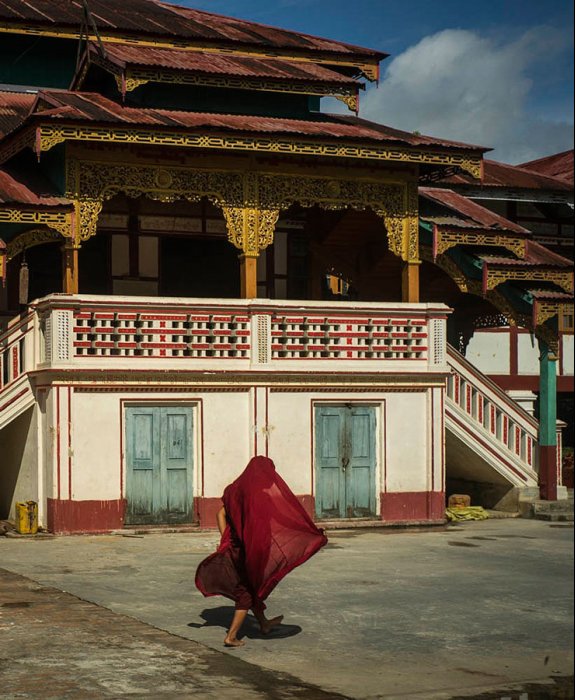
[497,73]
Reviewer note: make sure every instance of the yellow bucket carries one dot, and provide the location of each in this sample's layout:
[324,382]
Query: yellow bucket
[27,518]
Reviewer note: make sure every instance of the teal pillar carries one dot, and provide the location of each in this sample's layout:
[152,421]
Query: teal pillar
[547,422]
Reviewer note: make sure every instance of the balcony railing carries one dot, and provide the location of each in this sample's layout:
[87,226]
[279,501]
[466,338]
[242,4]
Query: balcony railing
[142,332]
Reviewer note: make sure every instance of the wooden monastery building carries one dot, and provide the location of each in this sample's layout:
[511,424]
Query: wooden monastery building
[200,266]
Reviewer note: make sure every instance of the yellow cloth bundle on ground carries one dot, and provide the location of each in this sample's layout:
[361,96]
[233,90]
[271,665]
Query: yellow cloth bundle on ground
[468,513]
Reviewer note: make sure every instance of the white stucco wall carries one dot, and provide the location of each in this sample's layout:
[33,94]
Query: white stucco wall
[19,462]
[527,354]
[83,456]
[489,351]
[567,347]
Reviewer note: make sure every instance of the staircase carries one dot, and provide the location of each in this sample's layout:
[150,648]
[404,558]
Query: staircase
[490,438]
[17,359]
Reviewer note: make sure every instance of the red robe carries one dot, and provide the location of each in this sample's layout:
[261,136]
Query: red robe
[268,534]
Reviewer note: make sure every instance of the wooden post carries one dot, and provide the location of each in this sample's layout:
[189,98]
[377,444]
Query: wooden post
[69,268]
[410,282]
[249,276]
[547,423]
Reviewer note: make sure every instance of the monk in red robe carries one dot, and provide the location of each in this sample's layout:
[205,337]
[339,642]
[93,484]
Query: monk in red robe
[265,534]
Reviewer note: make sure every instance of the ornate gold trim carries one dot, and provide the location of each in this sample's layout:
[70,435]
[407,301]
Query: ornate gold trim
[50,136]
[445,263]
[251,201]
[369,67]
[497,276]
[545,310]
[446,239]
[59,221]
[29,239]
[135,77]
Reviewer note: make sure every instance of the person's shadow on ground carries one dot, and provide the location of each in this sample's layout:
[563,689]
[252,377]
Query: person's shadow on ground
[222,617]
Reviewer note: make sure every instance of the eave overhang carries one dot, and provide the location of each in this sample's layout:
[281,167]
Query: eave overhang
[44,136]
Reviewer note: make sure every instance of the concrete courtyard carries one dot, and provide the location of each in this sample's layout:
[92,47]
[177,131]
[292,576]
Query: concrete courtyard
[452,612]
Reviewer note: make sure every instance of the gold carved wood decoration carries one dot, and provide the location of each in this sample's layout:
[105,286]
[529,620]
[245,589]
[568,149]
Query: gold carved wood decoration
[496,298]
[29,239]
[50,136]
[444,239]
[133,78]
[545,310]
[251,202]
[496,276]
[60,221]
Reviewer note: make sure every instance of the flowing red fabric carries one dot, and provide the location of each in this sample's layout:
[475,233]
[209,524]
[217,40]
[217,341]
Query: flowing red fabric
[267,526]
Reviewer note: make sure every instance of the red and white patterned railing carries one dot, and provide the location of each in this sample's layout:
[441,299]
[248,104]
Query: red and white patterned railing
[201,333]
[379,337]
[486,417]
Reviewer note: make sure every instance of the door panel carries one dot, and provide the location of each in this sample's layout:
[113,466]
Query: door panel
[330,492]
[360,501]
[158,464]
[345,461]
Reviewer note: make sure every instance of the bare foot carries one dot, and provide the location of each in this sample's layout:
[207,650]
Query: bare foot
[229,642]
[268,625]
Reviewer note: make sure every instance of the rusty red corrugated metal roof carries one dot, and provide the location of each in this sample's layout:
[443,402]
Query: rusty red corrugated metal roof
[549,295]
[497,174]
[536,255]
[559,165]
[158,19]
[32,190]
[14,108]
[73,107]
[123,55]
[470,214]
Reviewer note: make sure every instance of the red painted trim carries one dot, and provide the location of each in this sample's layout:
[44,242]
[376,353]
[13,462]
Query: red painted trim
[58,440]
[548,472]
[312,444]
[384,419]
[255,422]
[13,399]
[70,442]
[413,506]
[513,351]
[67,516]
[530,382]
[486,446]
[443,437]
[267,433]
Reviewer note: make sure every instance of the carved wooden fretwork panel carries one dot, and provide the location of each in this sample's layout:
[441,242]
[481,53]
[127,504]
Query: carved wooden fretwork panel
[251,202]
[29,239]
[60,221]
[446,239]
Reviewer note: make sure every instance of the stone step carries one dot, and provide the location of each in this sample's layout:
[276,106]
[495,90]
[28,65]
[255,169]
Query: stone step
[553,511]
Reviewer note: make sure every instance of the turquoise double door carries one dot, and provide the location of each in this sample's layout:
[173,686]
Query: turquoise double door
[345,461]
[159,462]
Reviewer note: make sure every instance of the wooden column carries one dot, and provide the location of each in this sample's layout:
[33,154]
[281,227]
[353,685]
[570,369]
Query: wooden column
[547,423]
[410,282]
[249,276]
[69,268]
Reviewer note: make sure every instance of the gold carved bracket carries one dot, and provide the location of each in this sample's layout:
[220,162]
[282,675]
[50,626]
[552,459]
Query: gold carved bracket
[496,276]
[29,239]
[444,239]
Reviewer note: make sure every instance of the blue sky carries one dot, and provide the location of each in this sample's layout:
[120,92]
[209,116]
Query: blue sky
[494,72]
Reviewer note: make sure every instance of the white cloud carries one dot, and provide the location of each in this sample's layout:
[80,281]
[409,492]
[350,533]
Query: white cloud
[459,85]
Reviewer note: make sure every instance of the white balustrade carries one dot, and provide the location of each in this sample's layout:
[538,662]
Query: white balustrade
[492,412]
